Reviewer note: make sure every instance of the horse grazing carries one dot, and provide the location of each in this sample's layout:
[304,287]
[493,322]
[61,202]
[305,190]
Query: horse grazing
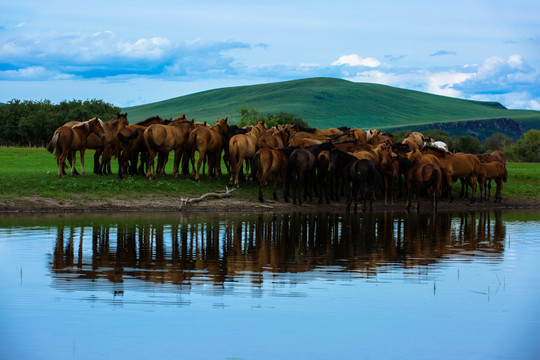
[492,171]
[163,139]
[243,147]
[420,176]
[131,140]
[68,140]
[208,141]
[271,163]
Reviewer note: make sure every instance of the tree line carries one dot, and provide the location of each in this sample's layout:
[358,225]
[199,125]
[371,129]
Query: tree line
[31,123]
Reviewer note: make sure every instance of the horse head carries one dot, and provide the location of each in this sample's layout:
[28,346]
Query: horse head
[95,125]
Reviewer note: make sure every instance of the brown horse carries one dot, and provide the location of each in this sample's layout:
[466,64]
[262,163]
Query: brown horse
[271,163]
[494,170]
[457,166]
[208,141]
[380,156]
[390,173]
[243,147]
[415,140]
[163,139]
[68,140]
[273,138]
[109,147]
[420,176]
[131,140]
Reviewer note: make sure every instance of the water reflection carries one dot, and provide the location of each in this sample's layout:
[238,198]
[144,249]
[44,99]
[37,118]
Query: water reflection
[219,249]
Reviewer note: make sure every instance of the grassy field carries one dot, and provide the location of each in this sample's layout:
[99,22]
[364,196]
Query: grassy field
[330,102]
[32,171]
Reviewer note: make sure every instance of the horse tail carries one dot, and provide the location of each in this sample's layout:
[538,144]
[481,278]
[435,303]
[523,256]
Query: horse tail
[51,146]
[152,143]
[233,154]
[505,174]
[255,163]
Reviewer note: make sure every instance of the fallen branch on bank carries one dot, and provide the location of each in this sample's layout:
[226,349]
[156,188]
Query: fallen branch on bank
[218,194]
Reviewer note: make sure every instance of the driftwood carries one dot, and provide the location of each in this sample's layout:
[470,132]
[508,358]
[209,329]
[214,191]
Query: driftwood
[218,194]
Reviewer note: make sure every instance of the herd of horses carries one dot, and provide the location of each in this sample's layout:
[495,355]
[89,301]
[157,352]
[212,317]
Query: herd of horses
[329,163]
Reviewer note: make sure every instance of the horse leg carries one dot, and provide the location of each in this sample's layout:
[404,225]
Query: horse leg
[472,181]
[202,155]
[176,162]
[82,162]
[97,165]
[150,164]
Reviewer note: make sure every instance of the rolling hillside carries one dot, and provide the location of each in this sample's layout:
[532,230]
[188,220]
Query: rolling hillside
[329,102]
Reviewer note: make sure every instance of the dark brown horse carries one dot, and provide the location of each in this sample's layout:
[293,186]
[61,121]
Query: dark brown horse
[208,141]
[420,177]
[269,163]
[68,140]
[326,167]
[301,171]
[163,139]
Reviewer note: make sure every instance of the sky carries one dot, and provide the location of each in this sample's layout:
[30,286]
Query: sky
[137,52]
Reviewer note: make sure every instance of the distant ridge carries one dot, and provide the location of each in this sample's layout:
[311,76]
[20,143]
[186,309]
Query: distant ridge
[331,102]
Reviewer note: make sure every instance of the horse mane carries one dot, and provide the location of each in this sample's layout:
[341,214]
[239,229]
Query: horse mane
[149,119]
[344,128]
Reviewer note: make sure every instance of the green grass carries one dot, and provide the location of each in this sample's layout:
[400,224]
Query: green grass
[523,181]
[330,102]
[32,171]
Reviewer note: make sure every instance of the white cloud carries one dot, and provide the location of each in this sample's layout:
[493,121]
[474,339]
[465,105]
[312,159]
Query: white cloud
[442,83]
[356,60]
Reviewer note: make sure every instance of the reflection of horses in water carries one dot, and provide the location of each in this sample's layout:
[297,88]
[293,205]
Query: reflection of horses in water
[68,140]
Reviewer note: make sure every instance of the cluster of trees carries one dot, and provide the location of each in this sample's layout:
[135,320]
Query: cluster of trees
[32,123]
[252,116]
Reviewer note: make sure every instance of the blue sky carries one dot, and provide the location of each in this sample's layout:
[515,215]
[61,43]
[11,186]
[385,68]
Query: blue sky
[137,52]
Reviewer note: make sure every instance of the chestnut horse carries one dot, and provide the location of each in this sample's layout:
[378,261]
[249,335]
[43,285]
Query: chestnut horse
[457,166]
[163,139]
[68,140]
[420,176]
[271,163]
[131,140]
[109,147]
[273,138]
[208,141]
[494,170]
[243,147]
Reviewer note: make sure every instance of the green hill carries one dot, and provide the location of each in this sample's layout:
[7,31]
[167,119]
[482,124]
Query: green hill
[330,102]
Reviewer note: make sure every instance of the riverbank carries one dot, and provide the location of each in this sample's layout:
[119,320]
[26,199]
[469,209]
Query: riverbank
[230,204]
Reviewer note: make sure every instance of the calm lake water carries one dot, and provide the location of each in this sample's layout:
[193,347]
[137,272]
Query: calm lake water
[270,286]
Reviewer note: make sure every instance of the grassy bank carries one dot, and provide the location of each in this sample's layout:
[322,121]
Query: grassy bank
[32,172]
